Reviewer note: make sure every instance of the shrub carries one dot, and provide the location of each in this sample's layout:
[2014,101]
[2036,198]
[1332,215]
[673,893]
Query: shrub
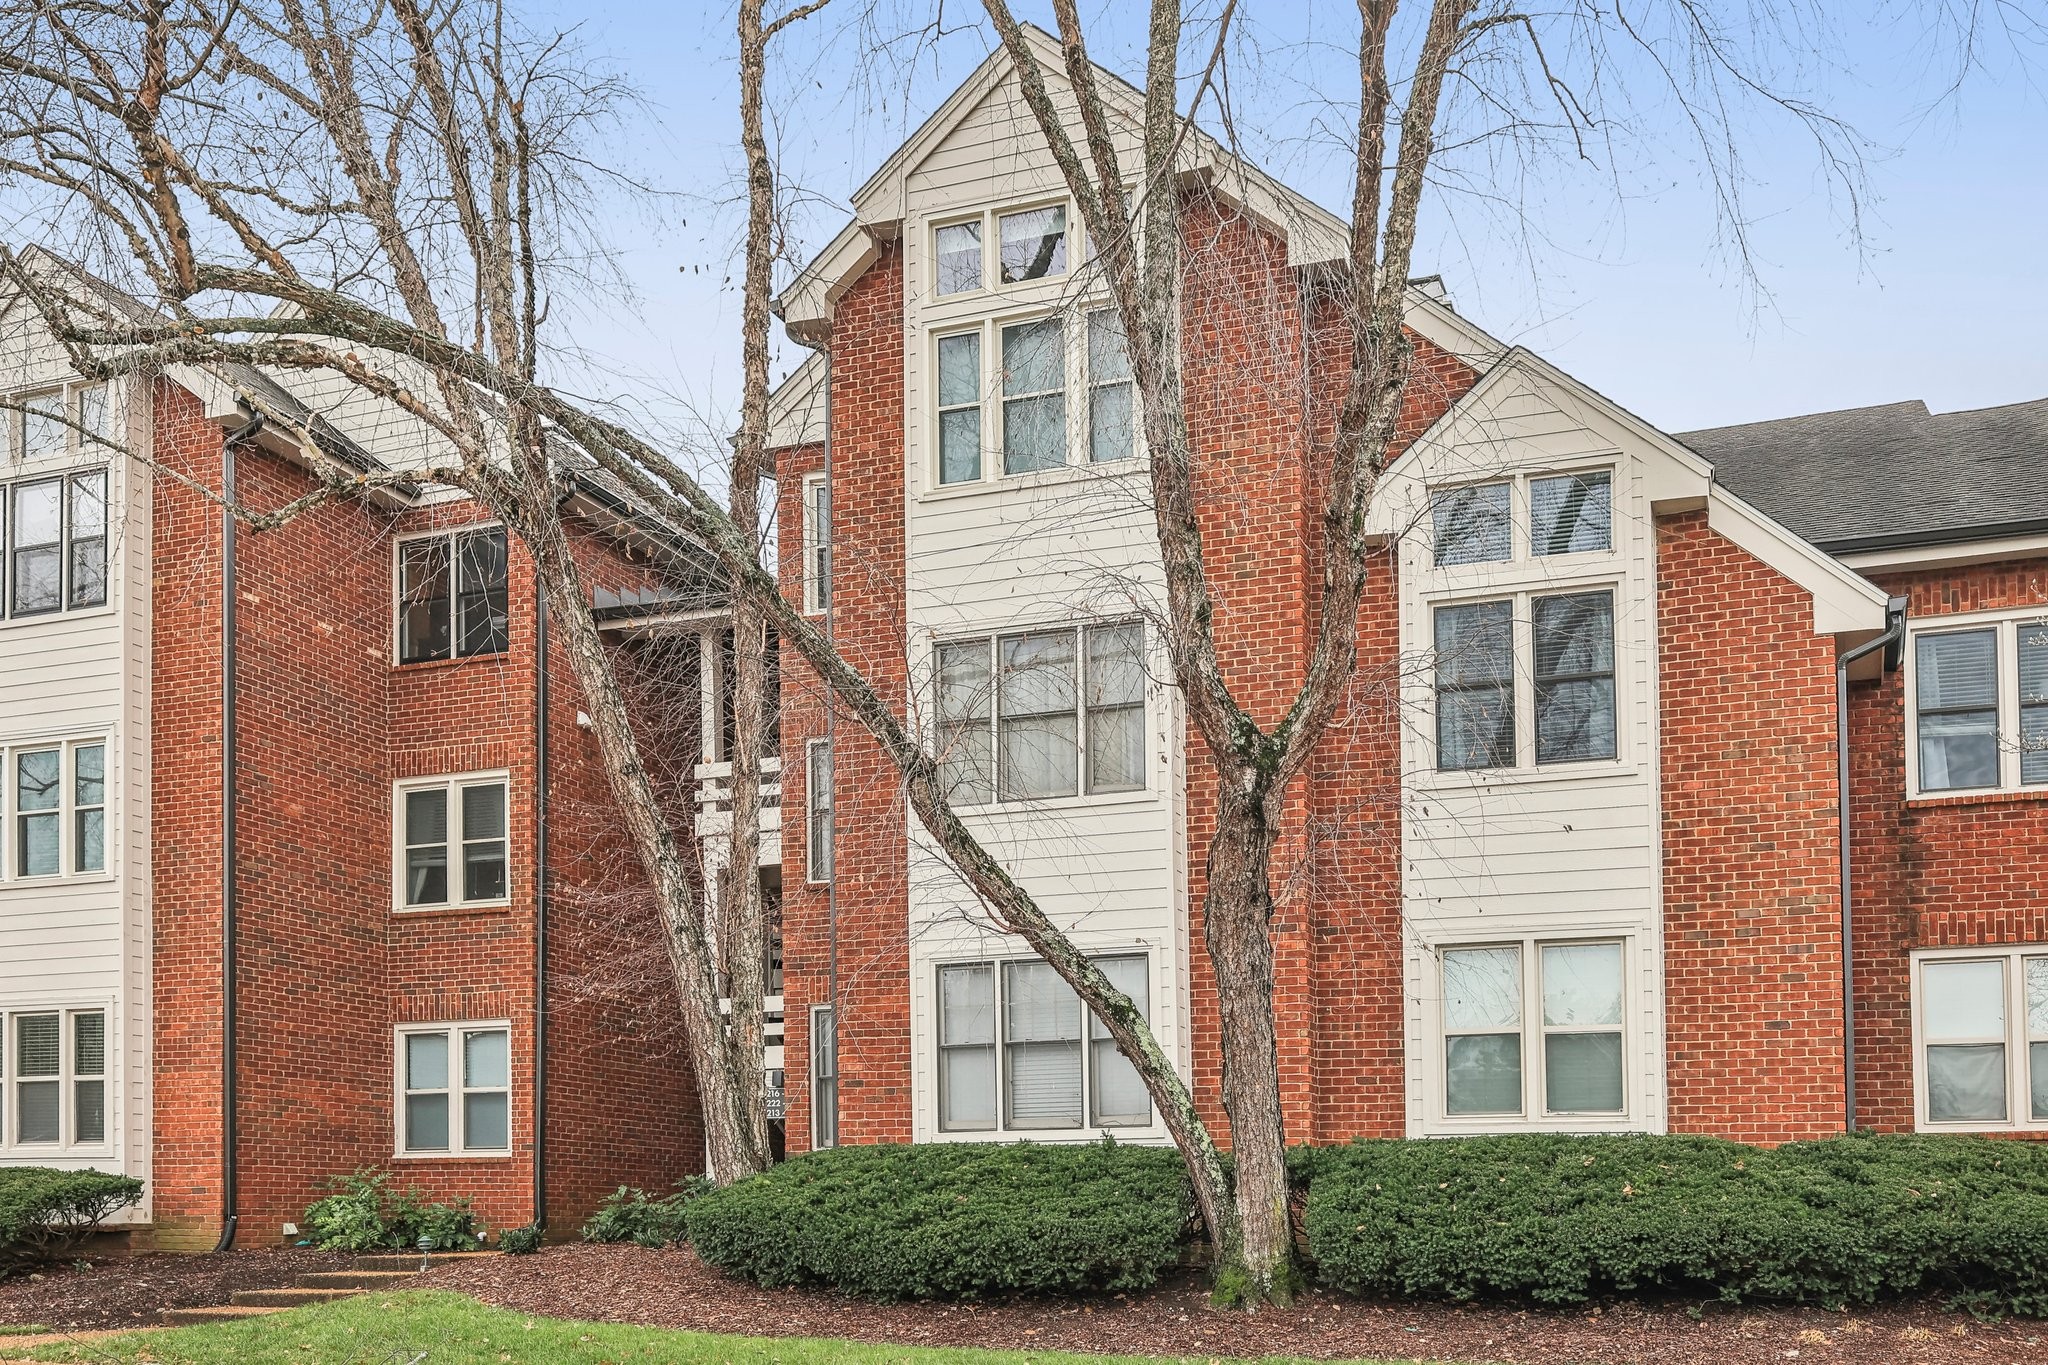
[953,1220]
[44,1213]
[630,1215]
[364,1213]
[1562,1219]
[520,1241]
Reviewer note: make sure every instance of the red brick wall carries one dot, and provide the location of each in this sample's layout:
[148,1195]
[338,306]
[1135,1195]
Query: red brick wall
[1935,872]
[325,967]
[1752,955]
[871,856]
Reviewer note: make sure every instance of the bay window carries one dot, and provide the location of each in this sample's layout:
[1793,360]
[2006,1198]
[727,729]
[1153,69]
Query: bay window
[1040,714]
[1018,1052]
[1979,708]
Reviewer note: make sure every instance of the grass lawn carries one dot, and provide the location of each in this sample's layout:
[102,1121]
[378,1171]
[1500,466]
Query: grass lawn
[449,1329]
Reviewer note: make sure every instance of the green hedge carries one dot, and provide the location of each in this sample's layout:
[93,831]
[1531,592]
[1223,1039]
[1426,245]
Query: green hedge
[1562,1219]
[952,1220]
[45,1212]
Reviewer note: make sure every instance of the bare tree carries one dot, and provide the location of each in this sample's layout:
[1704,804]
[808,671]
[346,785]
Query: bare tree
[392,195]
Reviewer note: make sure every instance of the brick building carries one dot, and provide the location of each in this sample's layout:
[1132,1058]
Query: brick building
[1572,857]
[308,864]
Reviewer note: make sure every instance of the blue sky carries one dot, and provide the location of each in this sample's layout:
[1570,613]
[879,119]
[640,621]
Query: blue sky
[1614,268]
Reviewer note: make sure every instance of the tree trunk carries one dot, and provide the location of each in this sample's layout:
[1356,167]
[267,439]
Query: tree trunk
[1237,913]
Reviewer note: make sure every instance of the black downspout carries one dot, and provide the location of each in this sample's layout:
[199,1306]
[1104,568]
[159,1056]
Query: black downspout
[540,906]
[1892,642]
[831,709]
[229,794]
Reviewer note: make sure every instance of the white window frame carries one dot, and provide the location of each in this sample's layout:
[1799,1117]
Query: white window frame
[819,1078]
[991,219]
[2018,1089]
[818,808]
[66,1078]
[1521,519]
[2006,626]
[451,534]
[1087,1129]
[1522,676]
[1634,1114]
[453,785]
[817,544]
[458,1149]
[66,811]
[13,421]
[1083,775]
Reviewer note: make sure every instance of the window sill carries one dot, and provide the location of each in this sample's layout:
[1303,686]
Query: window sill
[1034,480]
[452,1156]
[58,879]
[2003,796]
[1425,779]
[428,665]
[73,614]
[1497,1124]
[1052,1136]
[503,907]
[1055,804]
[2021,1130]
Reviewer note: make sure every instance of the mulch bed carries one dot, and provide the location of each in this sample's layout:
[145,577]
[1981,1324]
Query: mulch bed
[131,1291]
[675,1289]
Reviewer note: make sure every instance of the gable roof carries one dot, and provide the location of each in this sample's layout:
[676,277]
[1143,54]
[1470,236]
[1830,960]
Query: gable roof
[1313,234]
[1676,478]
[1892,475]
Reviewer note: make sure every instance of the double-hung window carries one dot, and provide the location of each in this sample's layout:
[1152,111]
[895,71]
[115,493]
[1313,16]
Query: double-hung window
[1018,1053]
[818,810]
[1042,714]
[455,1090]
[452,595]
[1057,389]
[817,539]
[1533,1030]
[451,842]
[53,1079]
[56,803]
[56,423]
[1980,1020]
[1980,704]
[1568,642]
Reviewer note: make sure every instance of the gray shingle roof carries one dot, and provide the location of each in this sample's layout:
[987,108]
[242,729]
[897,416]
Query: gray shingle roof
[1897,474]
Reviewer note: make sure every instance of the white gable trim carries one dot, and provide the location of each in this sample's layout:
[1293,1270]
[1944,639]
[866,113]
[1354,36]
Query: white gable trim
[1677,477]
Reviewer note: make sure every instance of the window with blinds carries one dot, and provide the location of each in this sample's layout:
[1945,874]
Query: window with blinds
[1488,718]
[451,842]
[1534,1030]
[1018,1053]
[53,1079]
[1981,1039]
[455,1090]
[1042,714]
[1980,704]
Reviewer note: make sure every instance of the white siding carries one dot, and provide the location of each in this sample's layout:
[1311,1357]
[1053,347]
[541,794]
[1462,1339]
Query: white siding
[1008,554]
[84,941]
[1570,851]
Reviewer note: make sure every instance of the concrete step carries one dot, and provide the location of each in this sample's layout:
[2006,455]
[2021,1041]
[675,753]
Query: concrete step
[410,1260]
[356,1279]
[193,1317]
[287,1298]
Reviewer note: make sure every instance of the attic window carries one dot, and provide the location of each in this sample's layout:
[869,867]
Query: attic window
[1034,243]
[959,257]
